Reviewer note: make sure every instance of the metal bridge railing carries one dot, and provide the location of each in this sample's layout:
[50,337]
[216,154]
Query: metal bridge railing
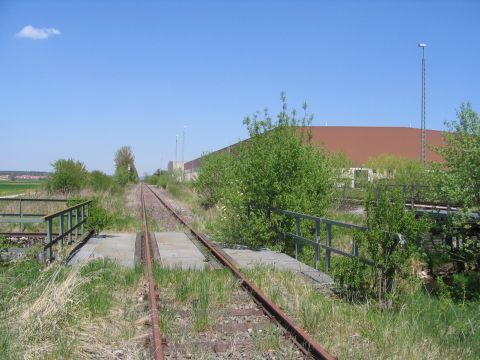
[17,215]
[78,212]
[67,222]
[316,242]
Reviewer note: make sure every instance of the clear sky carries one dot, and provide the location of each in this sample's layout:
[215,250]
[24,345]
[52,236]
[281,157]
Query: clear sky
[81,78]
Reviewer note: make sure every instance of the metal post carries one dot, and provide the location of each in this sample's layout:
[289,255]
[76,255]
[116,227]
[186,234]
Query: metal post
[76,223]
[423,112]
[49,241]
[329,244]
[176,146]
[21,216]
[412,196]
[61,230]
[70,226]
[297,232]
[355,248]
[404,192]
[317,240]
[83,217]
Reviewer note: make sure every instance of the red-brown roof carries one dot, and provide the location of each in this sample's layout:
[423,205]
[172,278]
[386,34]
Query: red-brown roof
[360,143]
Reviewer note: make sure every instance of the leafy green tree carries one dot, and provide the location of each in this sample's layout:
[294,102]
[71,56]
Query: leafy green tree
[213,174]
[277,167]
[460,183]
[99,181]
[462,156]
[121,176]
[68,176]
[125,165]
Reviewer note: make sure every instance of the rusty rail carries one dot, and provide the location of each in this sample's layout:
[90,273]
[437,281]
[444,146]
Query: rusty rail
[157,339]
[306,343]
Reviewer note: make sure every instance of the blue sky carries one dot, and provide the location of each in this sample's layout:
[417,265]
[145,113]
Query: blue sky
[113,73]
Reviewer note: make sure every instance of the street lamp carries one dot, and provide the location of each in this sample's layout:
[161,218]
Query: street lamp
[423,154]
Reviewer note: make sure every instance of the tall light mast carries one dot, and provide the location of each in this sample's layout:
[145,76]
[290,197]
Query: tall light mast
[423,149]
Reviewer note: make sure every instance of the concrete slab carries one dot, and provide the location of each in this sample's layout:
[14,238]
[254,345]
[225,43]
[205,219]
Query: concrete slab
[119,247]
[177,250]
[246,258]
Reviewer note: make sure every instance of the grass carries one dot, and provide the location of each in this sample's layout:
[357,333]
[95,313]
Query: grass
[69,312]
[423,327]
[18,187]
[268,339]
[198,291]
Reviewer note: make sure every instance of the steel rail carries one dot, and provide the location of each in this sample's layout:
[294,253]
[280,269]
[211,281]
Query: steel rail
[157,339]
[306,343]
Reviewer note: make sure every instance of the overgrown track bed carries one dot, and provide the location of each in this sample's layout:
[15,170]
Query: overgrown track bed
[236,325]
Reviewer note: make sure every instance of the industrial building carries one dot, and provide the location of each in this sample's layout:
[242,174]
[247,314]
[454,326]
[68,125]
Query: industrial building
[360,143]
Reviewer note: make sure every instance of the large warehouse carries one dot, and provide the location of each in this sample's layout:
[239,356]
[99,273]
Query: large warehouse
[360,143]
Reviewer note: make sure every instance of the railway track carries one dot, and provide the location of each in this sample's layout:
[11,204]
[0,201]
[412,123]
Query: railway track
[248,315]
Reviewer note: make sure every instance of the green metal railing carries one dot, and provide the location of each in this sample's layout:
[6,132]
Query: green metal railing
[78,212]
[67,223]
[316,242]
[21,217]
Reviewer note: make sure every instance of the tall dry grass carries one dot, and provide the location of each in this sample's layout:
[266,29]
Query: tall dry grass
[53,316]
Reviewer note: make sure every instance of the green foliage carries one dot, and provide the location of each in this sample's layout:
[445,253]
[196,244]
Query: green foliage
[98,217]
[276,167]
[125,170]
[121,176]
[352,277]
[459,182]
[459,288]
[393,235]
[164,179]
[398,170]
[462,156]
[422,327]
[99,181]
[214,173]
[69,176]
[18,187]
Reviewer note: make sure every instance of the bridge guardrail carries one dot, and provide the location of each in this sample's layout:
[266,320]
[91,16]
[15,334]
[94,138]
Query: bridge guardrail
[81,216]
[316,243]
[70,221]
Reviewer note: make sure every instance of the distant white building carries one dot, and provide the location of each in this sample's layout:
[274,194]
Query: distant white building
[175,166]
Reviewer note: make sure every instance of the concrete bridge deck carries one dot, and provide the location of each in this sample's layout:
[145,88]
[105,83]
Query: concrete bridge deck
[176,249]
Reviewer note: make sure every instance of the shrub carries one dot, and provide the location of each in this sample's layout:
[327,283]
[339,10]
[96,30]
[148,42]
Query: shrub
[98,217]
[276,167]
[212,176]
[99,181]
[121,176]
[68,176]
[393,236]
[398,170]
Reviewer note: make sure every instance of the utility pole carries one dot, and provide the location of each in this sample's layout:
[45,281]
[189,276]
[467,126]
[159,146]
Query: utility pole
[176,147]
[183,153]
[423,149]
[183,144]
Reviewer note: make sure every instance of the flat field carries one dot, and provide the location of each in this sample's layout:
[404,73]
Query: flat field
[18,187]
